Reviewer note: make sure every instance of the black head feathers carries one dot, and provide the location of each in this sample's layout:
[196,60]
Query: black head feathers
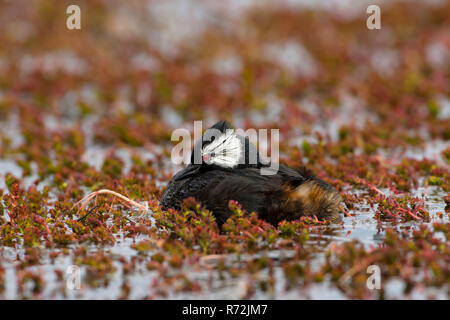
[222,126]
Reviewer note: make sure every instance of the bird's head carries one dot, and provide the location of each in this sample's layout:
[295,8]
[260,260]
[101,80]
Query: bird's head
[222,147]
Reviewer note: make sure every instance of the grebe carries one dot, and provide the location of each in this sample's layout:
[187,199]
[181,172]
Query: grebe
[226,166]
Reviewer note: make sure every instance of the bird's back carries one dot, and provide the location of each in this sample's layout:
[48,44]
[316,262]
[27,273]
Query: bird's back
[274,197]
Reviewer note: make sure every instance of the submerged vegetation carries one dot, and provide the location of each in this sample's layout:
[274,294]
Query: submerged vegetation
[91,109]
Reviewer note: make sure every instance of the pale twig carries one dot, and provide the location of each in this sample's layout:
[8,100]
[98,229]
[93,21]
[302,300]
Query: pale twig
[127,201]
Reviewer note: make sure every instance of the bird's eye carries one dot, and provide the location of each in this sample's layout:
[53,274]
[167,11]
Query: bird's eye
[213,154]
[213,138]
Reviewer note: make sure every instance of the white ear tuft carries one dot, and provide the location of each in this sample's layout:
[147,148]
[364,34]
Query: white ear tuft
[225,151]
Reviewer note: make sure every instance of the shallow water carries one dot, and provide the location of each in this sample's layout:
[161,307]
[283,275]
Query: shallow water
[362,226]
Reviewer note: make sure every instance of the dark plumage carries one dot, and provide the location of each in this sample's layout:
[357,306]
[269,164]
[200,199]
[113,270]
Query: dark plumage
[286,195]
